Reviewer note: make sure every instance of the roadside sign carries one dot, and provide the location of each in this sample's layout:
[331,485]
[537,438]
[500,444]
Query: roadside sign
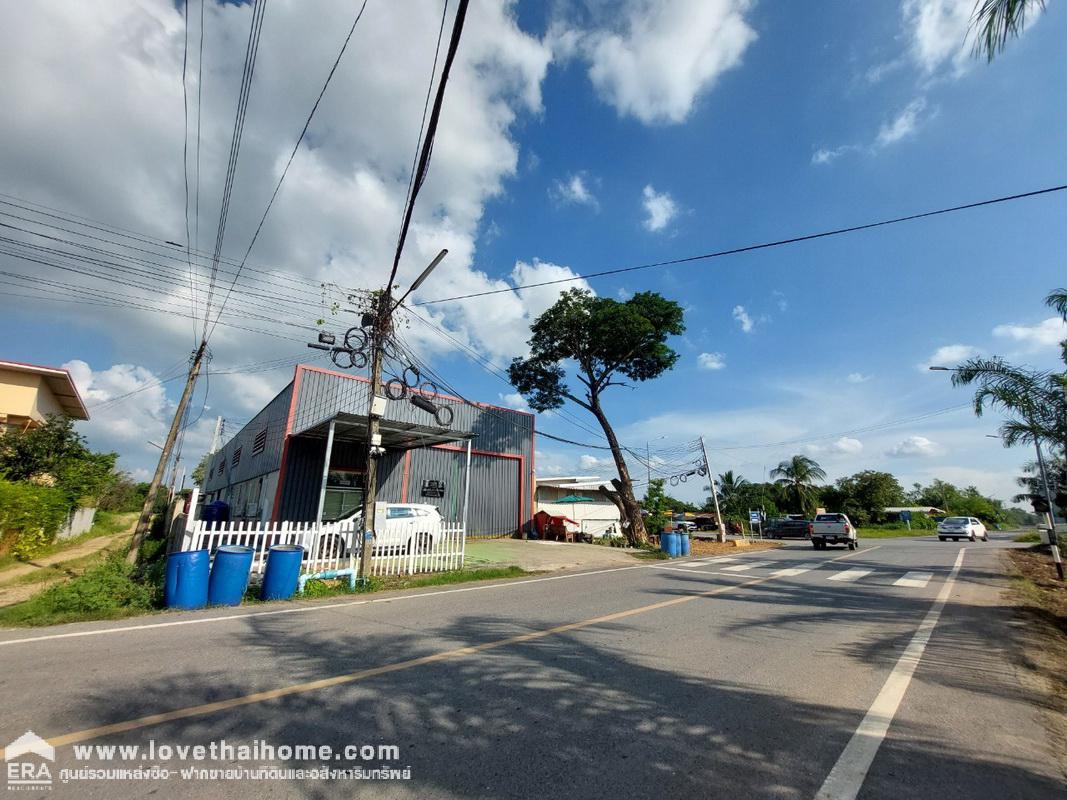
[753,516]
[905,516]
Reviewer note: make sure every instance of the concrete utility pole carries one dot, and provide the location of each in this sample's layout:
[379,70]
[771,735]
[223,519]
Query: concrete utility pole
[1051,519]
[215,437]
[157,478]
[383,326]
[714,491]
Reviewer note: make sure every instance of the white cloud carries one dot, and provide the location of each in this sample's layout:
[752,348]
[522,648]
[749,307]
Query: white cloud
[857,377]
[1047,333]
[847,445]
[711,361]
[743,319]
[903,125]
[653,60]
[573,191]
[514,400]
[949,355]
[938,31]
[780,300]
[914,447]
[660,207]
[588,462]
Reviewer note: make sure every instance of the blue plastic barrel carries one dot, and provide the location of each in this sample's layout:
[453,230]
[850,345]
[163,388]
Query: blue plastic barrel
[229,575]
[683,542]
[283,571]
[186,578]
[670,543]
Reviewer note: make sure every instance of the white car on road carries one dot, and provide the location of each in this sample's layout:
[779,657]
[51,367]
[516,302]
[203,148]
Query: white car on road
[957,528]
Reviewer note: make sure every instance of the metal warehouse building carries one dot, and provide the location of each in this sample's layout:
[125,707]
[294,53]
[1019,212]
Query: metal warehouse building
[273,468]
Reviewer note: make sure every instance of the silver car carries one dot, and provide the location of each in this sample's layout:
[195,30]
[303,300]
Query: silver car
[957,528]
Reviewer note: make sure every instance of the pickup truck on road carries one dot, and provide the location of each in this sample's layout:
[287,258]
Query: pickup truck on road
[833,529]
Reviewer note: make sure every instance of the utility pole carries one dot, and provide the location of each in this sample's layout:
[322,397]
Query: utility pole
[383,324]
[1051,519]
[157,478]
[215,437]
[714,491]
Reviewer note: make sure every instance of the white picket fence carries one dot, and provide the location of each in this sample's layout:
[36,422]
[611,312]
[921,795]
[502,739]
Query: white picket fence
[334,545]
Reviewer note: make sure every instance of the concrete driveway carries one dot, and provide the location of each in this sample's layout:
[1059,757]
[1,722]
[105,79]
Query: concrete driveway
[538,556]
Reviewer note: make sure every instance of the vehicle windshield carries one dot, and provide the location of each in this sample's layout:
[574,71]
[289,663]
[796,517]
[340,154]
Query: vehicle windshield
[957,520]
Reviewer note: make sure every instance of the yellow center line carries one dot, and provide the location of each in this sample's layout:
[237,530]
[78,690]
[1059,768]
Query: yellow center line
[354,677]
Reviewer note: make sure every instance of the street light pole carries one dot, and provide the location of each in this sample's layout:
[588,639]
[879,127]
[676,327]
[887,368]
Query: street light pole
[714,492]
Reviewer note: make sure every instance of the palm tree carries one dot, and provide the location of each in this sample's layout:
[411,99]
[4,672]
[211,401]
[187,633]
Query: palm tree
[996,21]
[798,476]
[732,490]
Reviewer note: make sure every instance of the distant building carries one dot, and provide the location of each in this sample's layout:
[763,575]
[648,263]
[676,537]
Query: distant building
[586,503]
[275,467]
[29,393]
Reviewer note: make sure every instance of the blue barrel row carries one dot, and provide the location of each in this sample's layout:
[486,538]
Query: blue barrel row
[189,583]
[674,543]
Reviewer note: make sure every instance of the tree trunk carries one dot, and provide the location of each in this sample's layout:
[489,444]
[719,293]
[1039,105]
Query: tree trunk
[631,510]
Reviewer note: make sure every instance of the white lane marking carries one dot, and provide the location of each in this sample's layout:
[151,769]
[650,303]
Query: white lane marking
[743,567]
[719,559]
[850,575]
[693,564]
[799,569]
[846,777]
[914,580]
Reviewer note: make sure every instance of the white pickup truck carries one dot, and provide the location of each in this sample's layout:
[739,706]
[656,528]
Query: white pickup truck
[833,529]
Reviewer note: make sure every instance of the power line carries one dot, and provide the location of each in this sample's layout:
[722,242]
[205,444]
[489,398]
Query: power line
[753,247]
[251,51]
[185,161]
[292,155]
[431,133]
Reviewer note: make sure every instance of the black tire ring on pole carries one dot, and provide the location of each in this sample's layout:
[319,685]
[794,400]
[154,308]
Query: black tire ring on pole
[395,389]
[355,339]
[342,358]
[359,359]
[674,480]
[683,477]
[429,389]
[444,416]
[411,384]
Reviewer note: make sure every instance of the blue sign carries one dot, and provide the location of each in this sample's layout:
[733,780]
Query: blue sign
[753,516]
[905,516]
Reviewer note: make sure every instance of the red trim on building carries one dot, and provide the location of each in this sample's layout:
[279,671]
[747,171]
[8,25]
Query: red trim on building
[407,475]
[297,373]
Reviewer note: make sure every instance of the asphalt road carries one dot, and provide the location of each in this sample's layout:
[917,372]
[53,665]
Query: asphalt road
[885,673]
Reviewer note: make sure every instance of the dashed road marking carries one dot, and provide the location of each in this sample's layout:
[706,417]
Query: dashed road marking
[799,569]
[914,580]
[850,575]
[749,565]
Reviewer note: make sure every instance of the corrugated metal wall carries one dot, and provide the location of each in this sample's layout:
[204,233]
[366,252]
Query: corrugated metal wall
[501,487]
[272,418]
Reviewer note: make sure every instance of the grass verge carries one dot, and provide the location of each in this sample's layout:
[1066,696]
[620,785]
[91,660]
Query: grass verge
[892,533]
[330,588]
[105,523]
[1030,536]
[1041,599]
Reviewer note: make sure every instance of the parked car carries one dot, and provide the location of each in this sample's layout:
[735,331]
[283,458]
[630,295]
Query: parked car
[787,528]
[407,526]
[833,529]
[685,526]
[957,528]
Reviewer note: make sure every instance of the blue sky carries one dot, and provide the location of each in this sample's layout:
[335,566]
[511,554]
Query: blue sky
[579,137]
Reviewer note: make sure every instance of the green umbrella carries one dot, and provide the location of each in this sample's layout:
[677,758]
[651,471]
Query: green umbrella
[575,498]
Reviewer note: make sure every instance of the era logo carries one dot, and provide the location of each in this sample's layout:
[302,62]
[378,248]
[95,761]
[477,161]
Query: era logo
[26,774]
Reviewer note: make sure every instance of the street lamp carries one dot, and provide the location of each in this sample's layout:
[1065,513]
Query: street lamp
[1050,518]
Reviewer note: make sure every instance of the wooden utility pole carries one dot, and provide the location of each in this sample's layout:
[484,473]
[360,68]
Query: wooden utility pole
[141,531]
[383,325]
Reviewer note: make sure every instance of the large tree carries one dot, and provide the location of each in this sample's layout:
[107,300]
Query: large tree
[604,343]
[864,496]
[798,476]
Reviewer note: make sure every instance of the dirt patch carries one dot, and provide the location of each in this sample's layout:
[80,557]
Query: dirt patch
[1041,600]
[703,547]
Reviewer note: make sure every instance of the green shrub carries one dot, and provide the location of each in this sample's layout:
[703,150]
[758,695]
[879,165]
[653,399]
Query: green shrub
[30,516]
[109,589]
